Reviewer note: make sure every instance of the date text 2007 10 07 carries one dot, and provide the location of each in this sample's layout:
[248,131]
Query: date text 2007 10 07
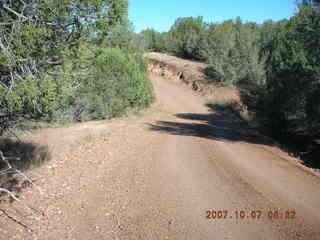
[254,214]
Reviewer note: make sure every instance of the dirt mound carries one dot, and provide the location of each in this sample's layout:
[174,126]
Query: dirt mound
[177,69]
[191,73]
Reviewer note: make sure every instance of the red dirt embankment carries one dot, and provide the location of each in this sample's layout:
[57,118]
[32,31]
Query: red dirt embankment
[192,74]
[175,68]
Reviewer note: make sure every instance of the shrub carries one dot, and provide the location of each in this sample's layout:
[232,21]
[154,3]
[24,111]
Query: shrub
[116,82]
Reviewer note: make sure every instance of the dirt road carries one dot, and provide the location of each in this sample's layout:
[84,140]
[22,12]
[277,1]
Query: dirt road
[157,175]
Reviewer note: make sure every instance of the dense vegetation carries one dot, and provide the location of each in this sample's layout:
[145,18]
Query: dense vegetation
[276,65]
[63,60]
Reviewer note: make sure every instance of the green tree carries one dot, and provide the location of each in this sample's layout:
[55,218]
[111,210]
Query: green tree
[117,13]
[234,53]
[152,40]
[185,34]
[288,103]
[49,49]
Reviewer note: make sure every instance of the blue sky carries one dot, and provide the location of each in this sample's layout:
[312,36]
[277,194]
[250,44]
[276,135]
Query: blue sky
[161,14]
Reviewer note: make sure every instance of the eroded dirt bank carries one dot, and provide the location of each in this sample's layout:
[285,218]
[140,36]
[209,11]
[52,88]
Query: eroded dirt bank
[192,74]
[156,176]
[179,70]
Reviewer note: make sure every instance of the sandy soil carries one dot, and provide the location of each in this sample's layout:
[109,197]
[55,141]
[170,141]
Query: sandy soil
[157,175]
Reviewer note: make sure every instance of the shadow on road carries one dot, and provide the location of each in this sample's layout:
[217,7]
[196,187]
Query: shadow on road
[213,126]
[23,156]
[221,127]
[311,159]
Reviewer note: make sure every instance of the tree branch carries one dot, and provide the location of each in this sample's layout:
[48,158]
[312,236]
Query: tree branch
[59,62]
[14,12]
[11,169]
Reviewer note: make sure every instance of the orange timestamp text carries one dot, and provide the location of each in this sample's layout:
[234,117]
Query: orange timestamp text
[251,214]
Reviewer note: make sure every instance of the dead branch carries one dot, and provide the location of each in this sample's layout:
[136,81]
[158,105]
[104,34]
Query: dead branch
[26,205]
[14,12]
[16,221]
[59,62]
[11,169]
